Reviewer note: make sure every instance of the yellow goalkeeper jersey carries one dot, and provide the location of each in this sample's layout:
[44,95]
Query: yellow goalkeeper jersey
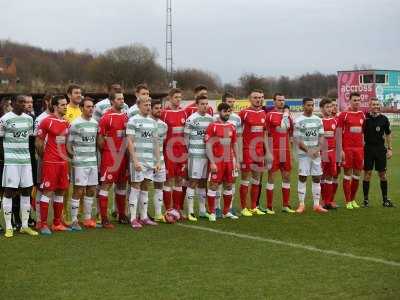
[72,113]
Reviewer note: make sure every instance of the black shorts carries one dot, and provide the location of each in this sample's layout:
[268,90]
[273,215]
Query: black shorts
[375,156]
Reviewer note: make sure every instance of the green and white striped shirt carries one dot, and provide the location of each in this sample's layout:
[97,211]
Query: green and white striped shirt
[162,129]
[16,129]
[145,133]
[235,120]
[308,130]
[195,131]
[101,107]
[133,111]
[82,136]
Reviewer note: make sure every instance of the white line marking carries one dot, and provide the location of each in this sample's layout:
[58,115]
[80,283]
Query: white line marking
[294,245]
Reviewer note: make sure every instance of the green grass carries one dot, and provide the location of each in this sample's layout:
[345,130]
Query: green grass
[173,262]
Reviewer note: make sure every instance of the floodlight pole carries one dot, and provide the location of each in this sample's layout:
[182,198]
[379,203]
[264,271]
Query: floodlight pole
[169,68]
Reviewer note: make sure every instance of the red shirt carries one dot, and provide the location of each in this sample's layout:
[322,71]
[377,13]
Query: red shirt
[280,136]
[54,131]
[223,137]
[351,124]
[175,119]
[254,127]
[112,126]
[192,108]
[330,126]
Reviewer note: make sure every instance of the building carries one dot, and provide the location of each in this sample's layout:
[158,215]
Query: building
[8,73]
[382,84]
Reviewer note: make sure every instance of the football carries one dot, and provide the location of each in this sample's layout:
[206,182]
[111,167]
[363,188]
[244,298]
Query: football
[171,216]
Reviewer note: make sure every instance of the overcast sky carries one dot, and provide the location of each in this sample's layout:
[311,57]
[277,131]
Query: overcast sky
[227,37]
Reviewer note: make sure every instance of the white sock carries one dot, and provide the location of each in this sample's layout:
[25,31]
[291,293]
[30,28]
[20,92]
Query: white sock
[74,209]
[133,202]
[37,204]
[7,211]
[202,200]
[190,200]
[87,207]
[158,201]
[316,192]
[25,208]
[301,191]
[144,203]
[218,197]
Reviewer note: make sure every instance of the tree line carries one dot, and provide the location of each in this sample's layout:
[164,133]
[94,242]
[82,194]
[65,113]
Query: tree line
[40,69]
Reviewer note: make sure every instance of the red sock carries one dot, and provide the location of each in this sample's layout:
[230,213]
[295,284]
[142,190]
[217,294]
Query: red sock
[347,189]
[44,210]
[328,193]
[270,195]
[167,199]
[254,191]
[211,202]
[354,188]
[103,205]
[177,196]
[181,199]
[58,209]
[175,199]
[227,203]
[334,190]
[121,204]
[244,189]
[286,194]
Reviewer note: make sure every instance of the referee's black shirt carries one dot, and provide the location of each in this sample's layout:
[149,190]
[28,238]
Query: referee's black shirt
[375,127]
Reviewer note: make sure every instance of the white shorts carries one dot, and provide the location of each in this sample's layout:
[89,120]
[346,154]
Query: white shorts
[160,176]
[17,176]
[198,168]
[146,173]
[309,166]
[85,176]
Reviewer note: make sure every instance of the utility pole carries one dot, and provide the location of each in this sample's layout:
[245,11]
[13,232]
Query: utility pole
[169,68]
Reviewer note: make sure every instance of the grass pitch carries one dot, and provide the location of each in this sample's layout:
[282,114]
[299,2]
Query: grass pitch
[177,262]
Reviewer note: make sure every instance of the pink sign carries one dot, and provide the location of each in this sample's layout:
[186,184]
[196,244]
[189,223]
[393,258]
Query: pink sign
[349,82]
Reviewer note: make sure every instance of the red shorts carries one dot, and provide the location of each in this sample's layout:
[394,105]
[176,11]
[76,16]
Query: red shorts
[113,169]
[353,158]
[329,164]
[175,169]
[55,176]
[253,160]
[281,160]
[225,173]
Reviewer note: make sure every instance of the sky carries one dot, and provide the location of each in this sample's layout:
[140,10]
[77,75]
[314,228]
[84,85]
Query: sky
[226,37]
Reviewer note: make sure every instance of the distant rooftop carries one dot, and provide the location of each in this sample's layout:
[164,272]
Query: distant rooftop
[370,70]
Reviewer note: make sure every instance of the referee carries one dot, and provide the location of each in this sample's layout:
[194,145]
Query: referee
[376,133]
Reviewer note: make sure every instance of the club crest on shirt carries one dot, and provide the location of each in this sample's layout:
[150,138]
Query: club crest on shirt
[361,121]
[378,129]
